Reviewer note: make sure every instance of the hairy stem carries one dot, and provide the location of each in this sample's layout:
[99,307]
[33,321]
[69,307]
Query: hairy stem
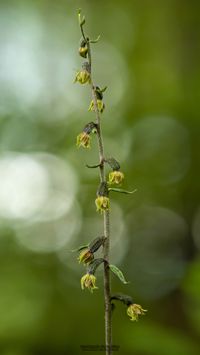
[106,246]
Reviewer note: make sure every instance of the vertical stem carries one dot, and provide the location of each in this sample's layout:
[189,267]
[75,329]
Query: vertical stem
[106,215]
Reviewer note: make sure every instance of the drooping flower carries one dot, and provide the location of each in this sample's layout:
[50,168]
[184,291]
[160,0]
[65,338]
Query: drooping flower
[102,203]
[134,311]
[100,106]
[83,140]
[83,75]
[116,177]
[88,281]
[83,49]
[85,256]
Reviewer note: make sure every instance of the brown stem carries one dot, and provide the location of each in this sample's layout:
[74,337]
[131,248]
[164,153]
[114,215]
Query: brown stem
[106,246]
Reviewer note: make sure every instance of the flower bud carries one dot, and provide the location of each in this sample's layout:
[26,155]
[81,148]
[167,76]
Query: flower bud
[83,49]
[96,244]
[88,281]
[90,127]
[102,189]
[98,93]
[134,311]
[114,164]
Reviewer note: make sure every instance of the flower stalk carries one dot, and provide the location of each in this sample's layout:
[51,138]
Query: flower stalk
[97,106]
[116,177]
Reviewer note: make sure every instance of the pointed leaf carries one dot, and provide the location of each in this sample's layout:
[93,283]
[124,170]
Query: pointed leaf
[121,190]
[118,273]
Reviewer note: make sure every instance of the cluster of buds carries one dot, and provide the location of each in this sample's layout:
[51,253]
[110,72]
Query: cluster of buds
[115,176]
[83,75]
[102,201]
[99,97]
[84,138]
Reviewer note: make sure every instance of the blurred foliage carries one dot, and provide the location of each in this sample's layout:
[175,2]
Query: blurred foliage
[148,56]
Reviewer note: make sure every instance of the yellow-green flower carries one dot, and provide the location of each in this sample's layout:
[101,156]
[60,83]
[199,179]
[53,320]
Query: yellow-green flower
[88,281]
[83,140]
[102,203]
[82,76]
[100,106]
[85,256]
[116,177]
[134,311]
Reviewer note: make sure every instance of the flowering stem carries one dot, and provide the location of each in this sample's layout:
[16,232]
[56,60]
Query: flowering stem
[106,245]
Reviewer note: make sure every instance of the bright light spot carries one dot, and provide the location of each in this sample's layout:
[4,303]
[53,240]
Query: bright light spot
[63,185]
[50,236]
[36,68]
[23,186]
[36,186]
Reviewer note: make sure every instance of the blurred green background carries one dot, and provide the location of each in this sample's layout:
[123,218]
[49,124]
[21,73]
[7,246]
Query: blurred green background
[149,57]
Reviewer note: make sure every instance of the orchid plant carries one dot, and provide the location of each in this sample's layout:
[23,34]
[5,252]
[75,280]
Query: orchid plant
[84,76]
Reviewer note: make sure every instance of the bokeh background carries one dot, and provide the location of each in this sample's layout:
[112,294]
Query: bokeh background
[148,56]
